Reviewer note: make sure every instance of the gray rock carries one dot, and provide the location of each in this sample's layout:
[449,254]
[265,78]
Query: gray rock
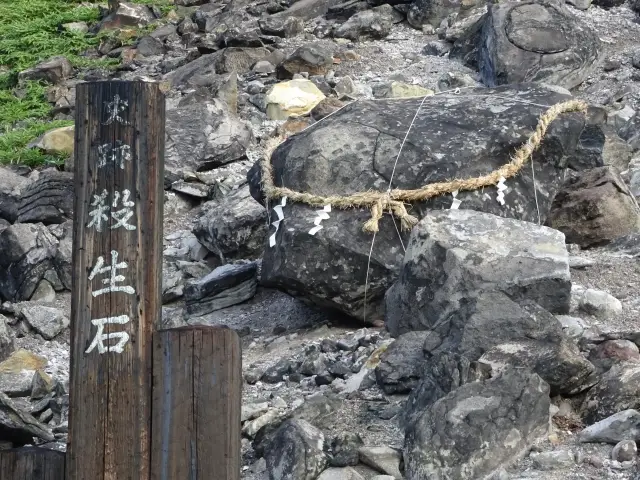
[312,58]
[433,12]
[148,46]
[483,252]
[54,70]
[11,186]
[372,24]
[347,473]
[340,250]
[573,327]
[127,15]
[625,451]
[455,439]
[18,427]
[442,374]
[531,41]
[281,27]
[225,286]
[436,48]
[595,207]
[344,450]
[253,410]
[7,343]
[580,4]
[610,352]
[402,364]
[202,136]
[44,293]
[383,459]
[48,200]
[47,321]
[16,384]
[264,66]
[618,389]
[29,251]
[553,460]
[308,9]
[192,189]
[598,303]
[233,228]
[624,425]
[296,452]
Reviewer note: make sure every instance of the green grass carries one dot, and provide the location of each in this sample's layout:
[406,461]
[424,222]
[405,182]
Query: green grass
[30,32]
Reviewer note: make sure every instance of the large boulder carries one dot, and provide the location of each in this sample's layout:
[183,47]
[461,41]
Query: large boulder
[619,389]
[478,428]
[202,135]
[455,256]
[433,12]
[355,149]
[48,200]
[11,186]
[530,41]
[595,207]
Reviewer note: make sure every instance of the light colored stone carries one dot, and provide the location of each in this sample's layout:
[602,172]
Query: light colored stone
[382,459]
[600,304]
[346,473]
[625,451]
[624,425]
[57,141]
[292,99]
[47,321]
[76,27]
[404,90]
[553,460]
[253,410]
[44,293]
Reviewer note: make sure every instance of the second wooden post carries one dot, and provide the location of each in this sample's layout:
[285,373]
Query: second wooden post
[117,262]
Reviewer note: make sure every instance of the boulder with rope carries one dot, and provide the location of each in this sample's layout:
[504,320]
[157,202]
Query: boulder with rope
[349,160]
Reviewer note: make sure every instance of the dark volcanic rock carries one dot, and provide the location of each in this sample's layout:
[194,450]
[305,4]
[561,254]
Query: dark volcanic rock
[48,200]
[454,256]
[595,207]
[225,286]
[478,428]
[619,389]
[296,452]
[531,41]
[18,427]
[402,364]
[354,150]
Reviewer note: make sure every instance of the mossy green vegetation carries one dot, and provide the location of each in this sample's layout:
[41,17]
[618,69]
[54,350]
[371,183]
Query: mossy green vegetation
[30,32]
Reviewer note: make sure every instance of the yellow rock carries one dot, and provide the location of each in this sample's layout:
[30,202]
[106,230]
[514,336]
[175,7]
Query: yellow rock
[22,360]
[58,140]
[403,90]
[292,99]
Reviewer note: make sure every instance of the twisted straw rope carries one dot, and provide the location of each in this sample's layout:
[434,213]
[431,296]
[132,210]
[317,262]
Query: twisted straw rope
[393,200]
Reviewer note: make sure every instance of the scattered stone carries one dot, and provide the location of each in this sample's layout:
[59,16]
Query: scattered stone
[225,286]
[346,88]
[253,410]
[282,27]
[404,90]
[372,24]
[598,303]
[76,27]
[436,48]
[276,373]
[127,15]
[595,207]
[234,227]
[149,46]
[624,425]
[292,99]
[312,58]
[44,293]
[326,107]
[250,429]
[18,427]
[53,70]
[57,141]
[553,460]
[573,327]
[190,147]
[263,66]
[618,389]
[454,439]
[47,321]
[344,450]
[383,459]
[347,473]
[7,343]
[402,364]
[433,12]
[296,452]
[625,451]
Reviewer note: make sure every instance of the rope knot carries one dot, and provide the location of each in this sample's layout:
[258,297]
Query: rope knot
[394,207]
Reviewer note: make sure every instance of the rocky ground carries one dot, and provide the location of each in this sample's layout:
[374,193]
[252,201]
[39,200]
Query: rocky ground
[492,341]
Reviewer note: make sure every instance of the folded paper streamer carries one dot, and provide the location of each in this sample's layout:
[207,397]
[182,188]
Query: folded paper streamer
[280,214]
[501,188]
[322,215]
[456,203]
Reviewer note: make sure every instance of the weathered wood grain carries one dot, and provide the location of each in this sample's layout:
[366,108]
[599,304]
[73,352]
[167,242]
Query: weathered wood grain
[197,386]
[31,463]
[110,411]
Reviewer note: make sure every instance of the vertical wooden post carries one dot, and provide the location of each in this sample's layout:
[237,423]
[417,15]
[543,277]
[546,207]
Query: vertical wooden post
[117,268]
[197,385]
[31,463]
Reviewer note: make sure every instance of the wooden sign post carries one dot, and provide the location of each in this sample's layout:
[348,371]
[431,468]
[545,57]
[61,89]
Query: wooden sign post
[117,269]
